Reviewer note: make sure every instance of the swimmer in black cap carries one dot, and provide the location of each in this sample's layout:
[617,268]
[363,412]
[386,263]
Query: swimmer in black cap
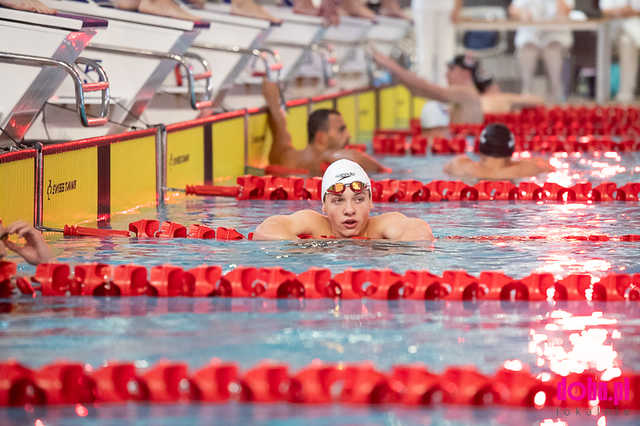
[496,147]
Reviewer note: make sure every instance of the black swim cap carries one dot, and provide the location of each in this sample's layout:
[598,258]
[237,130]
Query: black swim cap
[496,140]
[468,62]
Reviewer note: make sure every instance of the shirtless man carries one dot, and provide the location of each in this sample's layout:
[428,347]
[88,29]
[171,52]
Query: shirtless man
[463,93]
[328,136]
[495,101]
[35,250]
[496,147]
[346,203]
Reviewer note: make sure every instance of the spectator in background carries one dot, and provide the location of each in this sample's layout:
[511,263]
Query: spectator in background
[435,41]
[628,36]
[551,44]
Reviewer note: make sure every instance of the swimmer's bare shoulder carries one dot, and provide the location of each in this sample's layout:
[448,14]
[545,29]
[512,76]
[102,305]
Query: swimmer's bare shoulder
[288,227]
[398,227]
[460,165]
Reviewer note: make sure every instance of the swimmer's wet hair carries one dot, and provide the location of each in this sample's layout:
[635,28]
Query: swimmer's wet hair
[319,120]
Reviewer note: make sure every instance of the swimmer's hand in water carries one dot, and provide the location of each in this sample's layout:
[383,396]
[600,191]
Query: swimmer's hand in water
[35,250]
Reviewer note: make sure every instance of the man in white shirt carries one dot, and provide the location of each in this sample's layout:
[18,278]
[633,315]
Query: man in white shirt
[628,35]
[532,42]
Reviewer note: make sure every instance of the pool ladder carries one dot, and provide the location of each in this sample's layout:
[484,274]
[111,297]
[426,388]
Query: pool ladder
[181,61]
[80,87]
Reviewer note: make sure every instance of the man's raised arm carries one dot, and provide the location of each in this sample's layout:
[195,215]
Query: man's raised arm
[277,122]
[417,85]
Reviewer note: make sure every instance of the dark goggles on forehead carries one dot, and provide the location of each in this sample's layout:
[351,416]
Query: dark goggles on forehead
[339,187]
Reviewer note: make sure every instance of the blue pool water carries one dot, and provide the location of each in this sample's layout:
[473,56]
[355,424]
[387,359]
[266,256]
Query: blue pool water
[545,337]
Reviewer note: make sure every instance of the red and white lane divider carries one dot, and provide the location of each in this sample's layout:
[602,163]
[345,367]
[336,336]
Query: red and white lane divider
[98,279]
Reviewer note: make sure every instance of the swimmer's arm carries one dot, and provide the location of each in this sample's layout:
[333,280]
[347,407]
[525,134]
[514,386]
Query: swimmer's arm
[416,85]
[277,122]
[399,227]
[367,162]
[520,100]
[287,227]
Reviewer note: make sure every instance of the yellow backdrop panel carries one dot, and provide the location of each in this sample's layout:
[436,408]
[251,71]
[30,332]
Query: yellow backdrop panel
[17,188]
[418,103]
[402,107]
[185,157]
[133,173]
[297,125]
[366,116]
[228,150]
[387,107]
[327,104]
[260,140]
[70,193]
[347,107]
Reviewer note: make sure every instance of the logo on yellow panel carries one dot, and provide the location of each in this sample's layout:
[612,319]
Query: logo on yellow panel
[56,188]
[178,159]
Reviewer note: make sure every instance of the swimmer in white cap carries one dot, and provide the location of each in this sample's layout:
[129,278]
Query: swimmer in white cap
[35,250]
[434,120]
[497,145]
[346,203]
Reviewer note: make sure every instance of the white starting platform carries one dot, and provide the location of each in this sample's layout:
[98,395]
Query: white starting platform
[37,53]
[137,52]
[231,45]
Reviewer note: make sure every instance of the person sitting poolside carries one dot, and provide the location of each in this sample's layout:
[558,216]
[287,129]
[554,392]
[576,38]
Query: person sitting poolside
[496,148]
[35,250]
[328,137]
[28,5]
[346,203]
[168,8]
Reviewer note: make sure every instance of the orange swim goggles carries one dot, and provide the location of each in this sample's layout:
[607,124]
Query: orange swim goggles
[339,187]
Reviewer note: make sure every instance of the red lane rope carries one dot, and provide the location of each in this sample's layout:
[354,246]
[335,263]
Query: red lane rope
[540,129]
[98,279]
[151,228]
[391,190]
[398,143]
[317,383]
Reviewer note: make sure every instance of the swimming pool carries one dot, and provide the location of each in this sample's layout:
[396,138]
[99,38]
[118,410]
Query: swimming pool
[547,337]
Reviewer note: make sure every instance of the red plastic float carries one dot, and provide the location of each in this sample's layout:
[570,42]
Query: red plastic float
[64,383]
[276,283]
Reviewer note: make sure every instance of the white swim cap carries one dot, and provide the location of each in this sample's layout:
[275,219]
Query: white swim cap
[344,171]
[434,114]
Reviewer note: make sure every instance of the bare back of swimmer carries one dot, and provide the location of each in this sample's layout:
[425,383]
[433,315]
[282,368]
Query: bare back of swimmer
[328,137]
[496,147]
[346,203]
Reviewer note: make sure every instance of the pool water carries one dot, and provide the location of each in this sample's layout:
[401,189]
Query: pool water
[557,337]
